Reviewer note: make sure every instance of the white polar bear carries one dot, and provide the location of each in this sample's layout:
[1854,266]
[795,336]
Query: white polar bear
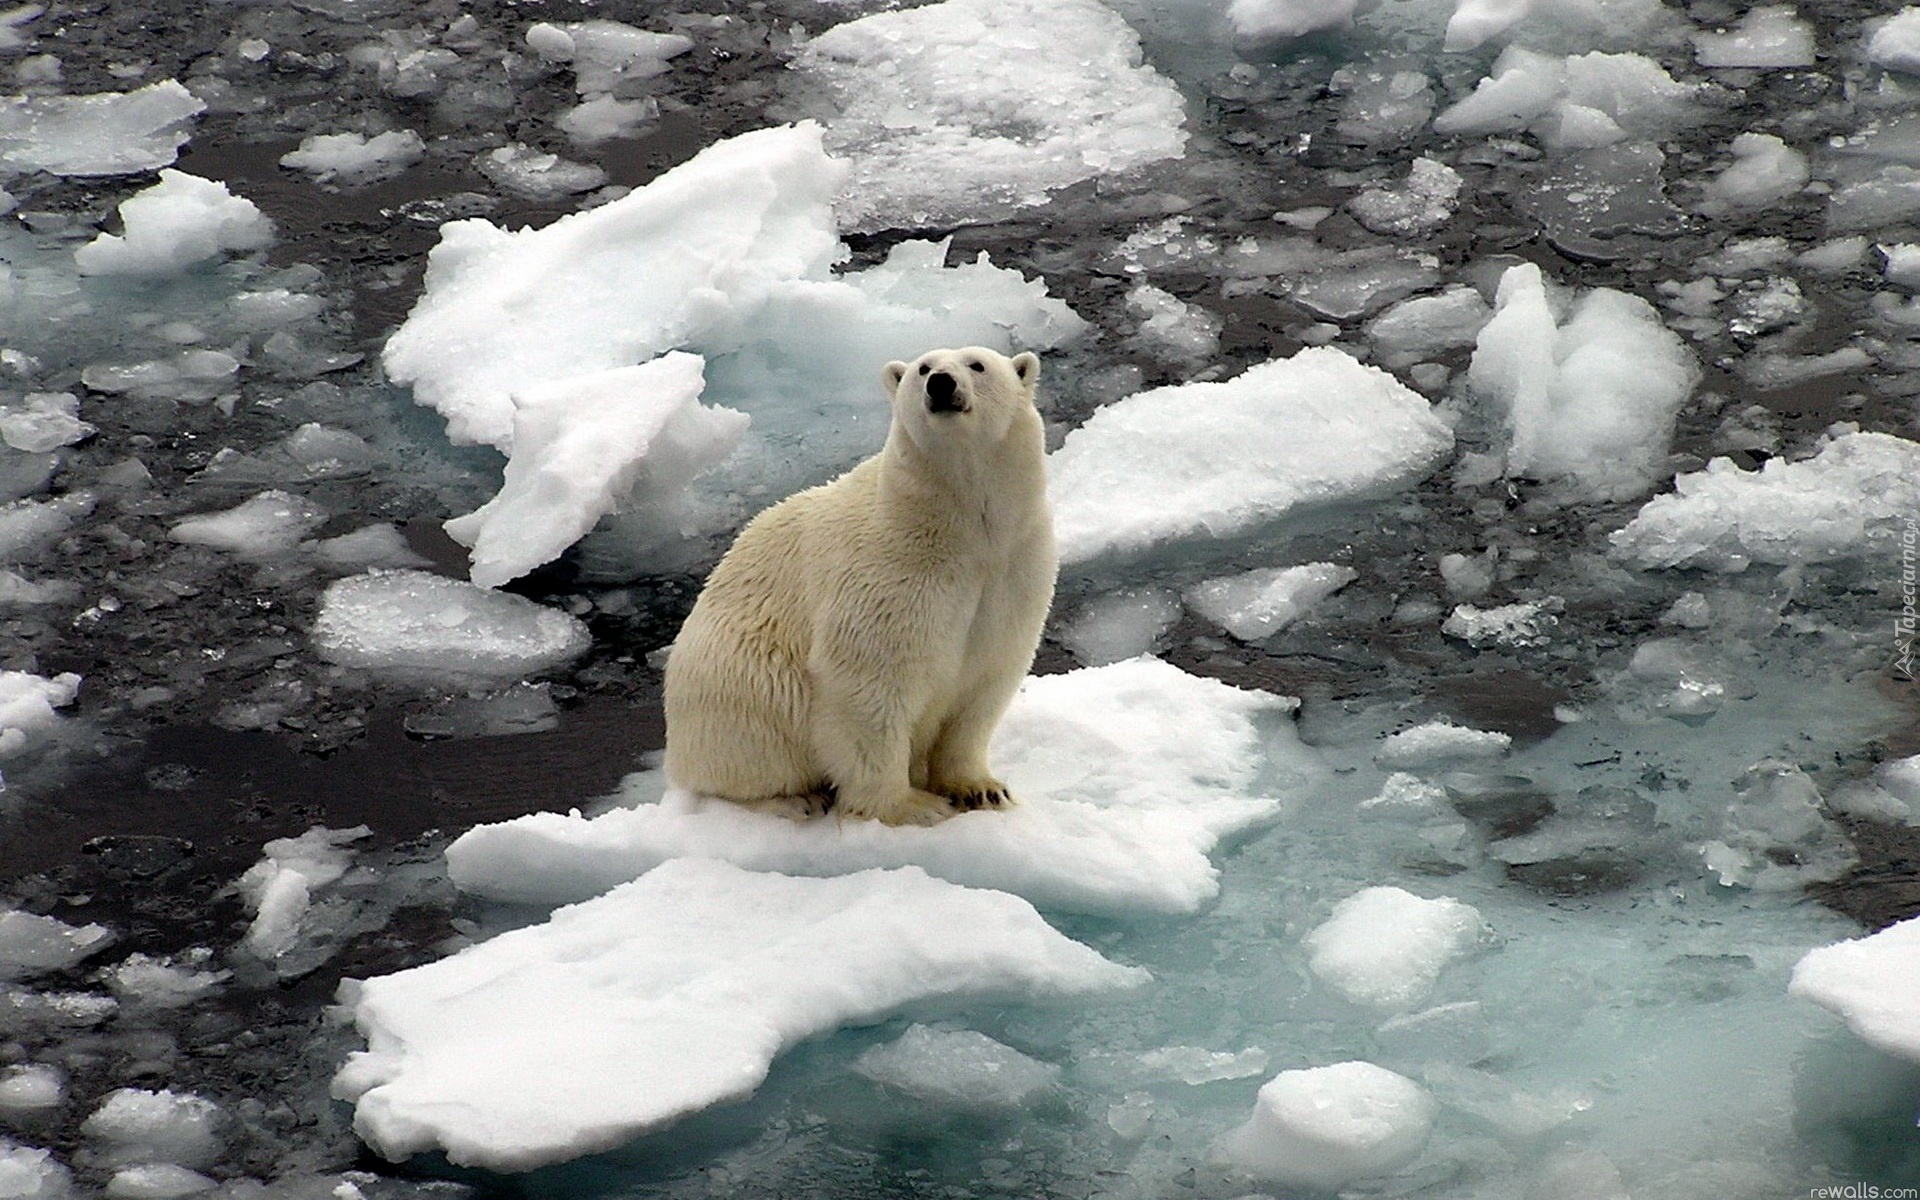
[857,645]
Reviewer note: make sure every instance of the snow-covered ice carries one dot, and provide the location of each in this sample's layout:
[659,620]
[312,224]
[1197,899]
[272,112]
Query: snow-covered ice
[1573,103]
[33,945]
[1311,430]
[1896,43]
[109,133]
[604,55]
[1267,20]
[958,1068]
[671,994]
[1260,603]
[1385,947]
[1421,204]
[1867,981]
[1764,171]
[133,1126]
[354,159]
[27,704]
[415,623]
[1126,777]
[1326,1127]
[179,221]
[43,421]
[31,1087]
[970,110]
[31,1173]
[1436,742]
[1856,489]
[279,888]
[1770,35]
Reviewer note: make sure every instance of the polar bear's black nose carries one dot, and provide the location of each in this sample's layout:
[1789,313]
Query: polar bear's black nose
[943,393]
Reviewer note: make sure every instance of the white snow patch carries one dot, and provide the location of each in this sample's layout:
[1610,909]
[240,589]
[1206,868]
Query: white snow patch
[671,994]
[1857,489]
[27,702]
[970,110]
[1385,947]
[414,623]
[353,159]
[1260,603]
[177,222]
[110,133]
[1312,429]
[1126,777]
[959,1068]
[1326,1127]
[1590,390]
[1867,981]
[1772,35]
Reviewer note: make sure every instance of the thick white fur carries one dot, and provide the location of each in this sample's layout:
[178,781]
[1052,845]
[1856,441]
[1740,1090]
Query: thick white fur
[861,639]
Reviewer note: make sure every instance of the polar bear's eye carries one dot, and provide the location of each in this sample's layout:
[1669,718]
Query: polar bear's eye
[978,366]
[924,368]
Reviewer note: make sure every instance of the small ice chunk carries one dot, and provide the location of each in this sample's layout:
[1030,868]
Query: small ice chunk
[1770,35]
[1523,86]
[379,545]
[603,118]
[1765,171]
[1867,981]
[1195,1065]
[1590,391]
[1439,742]
[1775,836]
[671,994]
[43,421]
[1326,1127]
[1272,20]
[1419,206]
[1380,103]
[30,1087]
[1120,625]
[180,221]
[109,133]
[34,945]
[1312,429]
[27,1173]
[958,1068]
[157,1181]
[413,623]
[521,708]
[1858,488]
[963,112]
[1185,332]
[590,444]
[196,374]
[1834,256]
[280,887]
[27,524]
[27,702]
[1263,602]
[538,174]
[1475,22]
[165,983]
[12,23]
[1896,44]
[606,54]
[1887,198]
[268,526]
[1385,947]
[1425,325]
[1525,623]
[353,159]
[1578,102]
[134,1126]
[1406,793]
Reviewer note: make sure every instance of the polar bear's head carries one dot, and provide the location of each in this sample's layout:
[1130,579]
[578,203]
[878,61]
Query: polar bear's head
[972,391]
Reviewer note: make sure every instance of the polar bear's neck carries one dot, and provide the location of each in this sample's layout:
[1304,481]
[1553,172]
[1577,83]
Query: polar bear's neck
[996,489]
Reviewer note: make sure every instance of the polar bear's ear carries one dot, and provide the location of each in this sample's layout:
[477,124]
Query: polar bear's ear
[1026,365]
[891,375]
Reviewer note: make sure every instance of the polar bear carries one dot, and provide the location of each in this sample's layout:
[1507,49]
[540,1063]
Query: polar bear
[855,648]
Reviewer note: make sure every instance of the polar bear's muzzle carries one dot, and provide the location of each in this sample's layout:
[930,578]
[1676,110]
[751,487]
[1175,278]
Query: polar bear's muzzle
[943,394]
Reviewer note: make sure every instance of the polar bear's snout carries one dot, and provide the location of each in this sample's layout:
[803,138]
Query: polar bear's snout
[944,395]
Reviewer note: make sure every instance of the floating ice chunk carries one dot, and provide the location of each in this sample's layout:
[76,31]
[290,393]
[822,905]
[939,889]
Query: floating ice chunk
[1526,623]
[1896,44]
[1772,35]
[1312,429]
[1579,102]
[43,421]
[1765,171]
[157,1181]
[1425,325]
[1774,836]
[1867,981]
[606,54]
[1359,281]
[1127,776]
[162,983]
[604,118]
[177,222]
[381,545]
[1590,397]
[1120,625]
[28,1173]
[1184,331]
[280,887]
[1404,792]
[12,23]
[196,374]
[27,524]
[404,62]
[267,526]
[1385,947]
[671,994]
[1858,488]
[970,110]
[135,1126]
[32,945]
[1326,1127]
[413,623]
[1263,602]
[1773,371]
[1381,103]
[1475,22]
[1270,20]
[111,133]
[1523,87]
[584,446]
[309,453]
[521,708]
[1439,742]
[959,1068]
[1423,204]
[1880,200]
[353,159]
[538,174]
[27,702]
[30,1087]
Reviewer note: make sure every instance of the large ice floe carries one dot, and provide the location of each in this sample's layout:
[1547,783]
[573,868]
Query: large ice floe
[727,259]
[1128,775]
[1868,982]
[970,110]
[1311,430]
[671,994]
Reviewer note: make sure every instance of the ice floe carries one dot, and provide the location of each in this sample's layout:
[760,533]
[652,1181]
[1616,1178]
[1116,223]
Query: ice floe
[1313,429]
[412,623]
[671,994]
[958,1068]
[279,888]
[269,525]
[1896,43]
[1260,603]
[1385,947]
[1127,776]
[27,704]
[1573,103]
[32,945]
[1326,1127]
[1771,35]
[109,133]
[353,159]
[1867,981]
[180,221]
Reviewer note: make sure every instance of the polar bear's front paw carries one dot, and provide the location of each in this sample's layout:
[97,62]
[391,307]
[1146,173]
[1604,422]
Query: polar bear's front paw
[988,793]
